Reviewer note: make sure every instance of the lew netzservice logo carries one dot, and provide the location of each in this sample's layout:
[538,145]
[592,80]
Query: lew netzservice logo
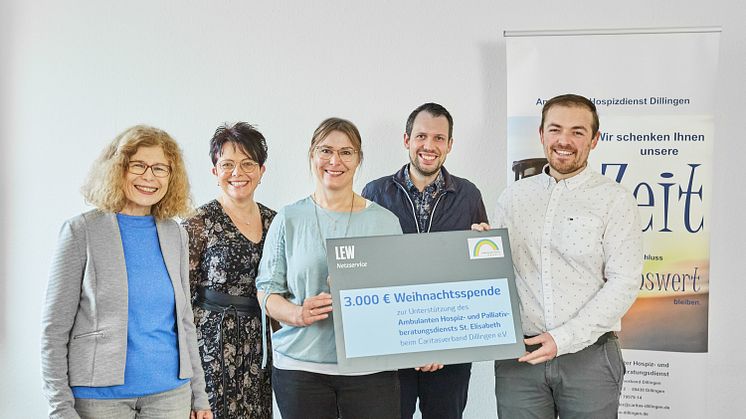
[485,247]
[344,252]
[347,253]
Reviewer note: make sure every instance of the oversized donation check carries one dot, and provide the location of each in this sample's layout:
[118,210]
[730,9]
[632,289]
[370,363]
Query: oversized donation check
[409,300]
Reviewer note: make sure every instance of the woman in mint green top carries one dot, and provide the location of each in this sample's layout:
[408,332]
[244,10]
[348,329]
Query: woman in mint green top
[293,287]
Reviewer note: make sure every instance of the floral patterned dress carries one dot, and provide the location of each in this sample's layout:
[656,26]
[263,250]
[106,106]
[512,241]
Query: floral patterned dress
[224,260]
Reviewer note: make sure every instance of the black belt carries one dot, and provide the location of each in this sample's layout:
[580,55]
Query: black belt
[227,305]
[222,302]
[601,340]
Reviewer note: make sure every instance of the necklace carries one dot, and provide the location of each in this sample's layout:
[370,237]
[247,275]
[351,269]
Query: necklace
[232,215]
[334,221]
[326,212]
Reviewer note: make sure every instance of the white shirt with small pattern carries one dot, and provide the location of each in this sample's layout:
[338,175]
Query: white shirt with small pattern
[577,254]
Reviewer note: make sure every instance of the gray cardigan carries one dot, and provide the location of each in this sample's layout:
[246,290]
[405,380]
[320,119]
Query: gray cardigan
[84,323]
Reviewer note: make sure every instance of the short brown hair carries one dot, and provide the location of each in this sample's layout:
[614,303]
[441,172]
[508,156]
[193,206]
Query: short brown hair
[104,187]
[570,100]
[244,137]
[435,110]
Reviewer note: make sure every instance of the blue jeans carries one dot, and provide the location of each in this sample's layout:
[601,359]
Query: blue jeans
[442,393]
[580,385]
[308,395]
[172,404]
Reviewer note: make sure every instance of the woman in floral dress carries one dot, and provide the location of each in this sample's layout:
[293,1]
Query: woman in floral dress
[226,237]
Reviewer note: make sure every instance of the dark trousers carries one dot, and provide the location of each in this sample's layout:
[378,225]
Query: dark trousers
[307,395]
[442,393]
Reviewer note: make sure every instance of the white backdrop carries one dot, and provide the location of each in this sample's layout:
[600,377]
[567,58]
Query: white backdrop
[74,74]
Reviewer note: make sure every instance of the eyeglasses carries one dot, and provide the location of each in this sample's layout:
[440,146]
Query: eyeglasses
[228,166]
[140,167]
[346,154]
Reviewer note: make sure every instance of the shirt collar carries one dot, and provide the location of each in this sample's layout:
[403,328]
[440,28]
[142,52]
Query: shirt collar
[438,184]
[570,183]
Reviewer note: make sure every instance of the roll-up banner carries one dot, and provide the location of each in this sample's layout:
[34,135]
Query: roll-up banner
[654,91]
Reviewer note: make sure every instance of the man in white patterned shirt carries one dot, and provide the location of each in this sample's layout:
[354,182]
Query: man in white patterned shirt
[576,241]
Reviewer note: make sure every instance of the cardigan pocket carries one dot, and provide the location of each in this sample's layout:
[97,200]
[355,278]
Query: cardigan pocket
[81,354]
[89,334]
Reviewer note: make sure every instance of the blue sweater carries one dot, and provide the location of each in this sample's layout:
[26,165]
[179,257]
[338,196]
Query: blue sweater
[152,349]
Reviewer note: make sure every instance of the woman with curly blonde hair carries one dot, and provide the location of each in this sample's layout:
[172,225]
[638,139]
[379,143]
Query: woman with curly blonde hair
[118,337]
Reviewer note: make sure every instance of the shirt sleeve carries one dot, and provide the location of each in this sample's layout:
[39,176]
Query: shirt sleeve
[388,223]
[394,227]
[199,395]
[272,276]
[195,228]
[501,211]
[480,213]
[366,193]
[622,247]
[60,307]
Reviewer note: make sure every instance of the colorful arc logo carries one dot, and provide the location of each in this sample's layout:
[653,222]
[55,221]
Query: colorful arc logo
[491,246]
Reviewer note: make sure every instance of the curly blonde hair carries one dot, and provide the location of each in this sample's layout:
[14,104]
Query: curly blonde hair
[104,187]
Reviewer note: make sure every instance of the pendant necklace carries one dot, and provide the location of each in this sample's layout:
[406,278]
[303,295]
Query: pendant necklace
[232,216]
[334,221]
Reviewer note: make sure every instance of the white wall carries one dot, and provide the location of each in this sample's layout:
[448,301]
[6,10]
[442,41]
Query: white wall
[74,74]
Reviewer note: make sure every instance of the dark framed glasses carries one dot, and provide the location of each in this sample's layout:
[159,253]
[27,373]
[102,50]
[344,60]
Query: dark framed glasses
[137,167]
